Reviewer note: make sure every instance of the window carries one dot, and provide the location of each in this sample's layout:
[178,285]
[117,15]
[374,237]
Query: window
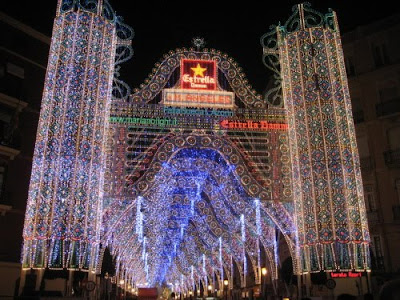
[388,93]
[379,53]
[396,208]
[11,80]
[15,70]
[396,212]
[362,144]
[366,163]
[369,197]
[350,70]
[392,156]
[377,252]
[7,126]
[3,171]
[393,135]
[358,113]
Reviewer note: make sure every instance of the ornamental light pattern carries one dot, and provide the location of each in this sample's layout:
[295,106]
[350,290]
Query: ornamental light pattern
[328,193]
[191,178]
[63,216]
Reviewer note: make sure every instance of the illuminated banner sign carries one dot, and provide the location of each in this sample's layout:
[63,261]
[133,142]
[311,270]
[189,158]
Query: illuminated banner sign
[252,125]
[197,112]
[198,98]
[198,74]
[159,122]
[346,274]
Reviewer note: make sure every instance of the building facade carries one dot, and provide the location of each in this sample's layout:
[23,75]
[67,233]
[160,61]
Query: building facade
[372,59]
[23,61]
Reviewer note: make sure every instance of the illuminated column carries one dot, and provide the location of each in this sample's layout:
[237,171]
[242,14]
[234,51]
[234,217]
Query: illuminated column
[63,215]
[328,193]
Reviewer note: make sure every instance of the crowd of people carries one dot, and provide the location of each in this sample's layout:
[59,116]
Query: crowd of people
[389,291]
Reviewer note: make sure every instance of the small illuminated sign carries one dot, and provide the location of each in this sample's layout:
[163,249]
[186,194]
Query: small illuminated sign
[198,74]
[197,111]
[198,87]
[252,125]
[198,98]
[346,274]
[159,122]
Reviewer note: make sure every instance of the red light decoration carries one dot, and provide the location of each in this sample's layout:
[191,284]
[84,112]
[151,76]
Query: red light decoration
[346,274]
[252,125]
[198,74]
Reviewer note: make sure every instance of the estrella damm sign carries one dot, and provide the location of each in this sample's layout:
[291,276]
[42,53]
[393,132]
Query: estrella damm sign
[198,74]
[252,125]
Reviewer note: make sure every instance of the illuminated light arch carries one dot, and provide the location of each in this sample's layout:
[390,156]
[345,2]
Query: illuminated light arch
[160,75]
[108,168]
[224,147]
[211,227]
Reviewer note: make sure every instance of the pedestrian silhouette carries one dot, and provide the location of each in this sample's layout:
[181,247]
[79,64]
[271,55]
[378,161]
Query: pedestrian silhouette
[390,290]
[346,297]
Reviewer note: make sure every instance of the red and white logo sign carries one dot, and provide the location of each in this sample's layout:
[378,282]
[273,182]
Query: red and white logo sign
[252,125]
[198,74]
[198,87]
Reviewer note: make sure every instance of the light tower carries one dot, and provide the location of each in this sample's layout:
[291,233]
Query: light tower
[63,216]
[307,58]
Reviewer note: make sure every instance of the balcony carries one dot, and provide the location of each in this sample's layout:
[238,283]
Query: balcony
[388,108]
[392,158]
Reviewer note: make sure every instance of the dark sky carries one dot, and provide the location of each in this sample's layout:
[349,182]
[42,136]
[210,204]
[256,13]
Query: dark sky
[233,28]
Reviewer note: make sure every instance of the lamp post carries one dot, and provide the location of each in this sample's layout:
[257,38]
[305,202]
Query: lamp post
[122,283]
[209,290]
[106,281]
[263,281]
[226,283]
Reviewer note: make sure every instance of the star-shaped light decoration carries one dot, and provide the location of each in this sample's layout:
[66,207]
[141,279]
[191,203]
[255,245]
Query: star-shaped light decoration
[199,70]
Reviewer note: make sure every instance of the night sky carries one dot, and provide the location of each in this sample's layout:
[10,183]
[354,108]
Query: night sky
[234,29]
